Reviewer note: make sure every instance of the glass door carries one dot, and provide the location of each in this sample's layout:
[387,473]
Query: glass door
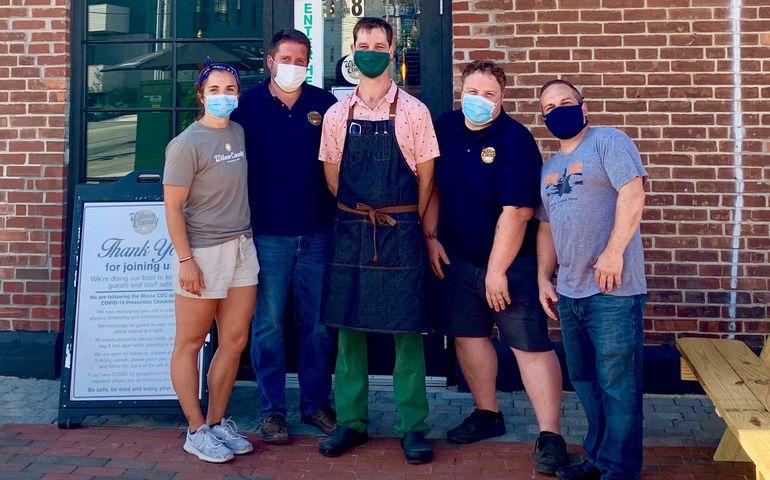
[340,72]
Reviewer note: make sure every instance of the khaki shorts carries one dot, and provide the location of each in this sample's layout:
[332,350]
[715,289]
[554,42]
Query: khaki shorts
[230,264]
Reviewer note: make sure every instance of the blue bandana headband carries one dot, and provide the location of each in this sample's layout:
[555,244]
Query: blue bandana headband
[210,67]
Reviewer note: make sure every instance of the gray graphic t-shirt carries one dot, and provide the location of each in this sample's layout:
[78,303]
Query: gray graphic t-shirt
[579,192]
[212,162]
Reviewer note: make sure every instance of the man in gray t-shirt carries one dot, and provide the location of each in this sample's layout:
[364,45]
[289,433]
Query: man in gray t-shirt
[593,196]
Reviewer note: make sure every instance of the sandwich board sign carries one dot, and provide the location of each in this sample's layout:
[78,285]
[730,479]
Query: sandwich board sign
[119,318]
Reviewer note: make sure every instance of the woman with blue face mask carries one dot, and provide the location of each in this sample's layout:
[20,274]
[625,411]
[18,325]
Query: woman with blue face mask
[215,272]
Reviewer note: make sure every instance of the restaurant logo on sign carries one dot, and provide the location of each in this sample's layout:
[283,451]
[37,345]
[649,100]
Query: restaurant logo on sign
[350,71]
[144,221]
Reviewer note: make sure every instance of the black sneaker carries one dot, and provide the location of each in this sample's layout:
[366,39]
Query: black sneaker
[416,448]
[553,452]
[342,440]
[581,471]
[479,425]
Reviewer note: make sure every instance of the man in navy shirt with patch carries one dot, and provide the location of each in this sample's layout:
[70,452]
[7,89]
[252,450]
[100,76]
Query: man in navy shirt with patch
[480,234]
[291,213]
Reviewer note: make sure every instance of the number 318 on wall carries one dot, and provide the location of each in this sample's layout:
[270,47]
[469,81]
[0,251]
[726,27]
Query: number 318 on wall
[357,8]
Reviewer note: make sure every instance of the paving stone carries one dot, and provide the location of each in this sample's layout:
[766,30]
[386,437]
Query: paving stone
[672,408]
[147,475]
[130,463]
[49,468]
[4,442]
[689,401]
[687,425]
[12,467]
[662,417]
[22,475]
[243,477]
[60,460]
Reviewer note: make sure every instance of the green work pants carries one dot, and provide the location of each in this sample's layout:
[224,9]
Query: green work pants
[351,391]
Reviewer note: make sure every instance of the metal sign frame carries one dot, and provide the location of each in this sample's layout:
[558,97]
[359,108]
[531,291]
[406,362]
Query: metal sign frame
[135,187]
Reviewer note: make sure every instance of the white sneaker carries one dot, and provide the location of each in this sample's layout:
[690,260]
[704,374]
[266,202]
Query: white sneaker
[206,446]
[227,433]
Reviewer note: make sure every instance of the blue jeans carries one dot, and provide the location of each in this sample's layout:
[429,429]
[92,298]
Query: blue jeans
[284,261]
[603,342]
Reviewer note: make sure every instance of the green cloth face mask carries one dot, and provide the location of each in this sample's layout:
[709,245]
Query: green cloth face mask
[371,63]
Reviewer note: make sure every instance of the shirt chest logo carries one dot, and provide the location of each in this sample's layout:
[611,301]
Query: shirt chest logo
[314,118]
[488,155]
[563,184]
[229,157]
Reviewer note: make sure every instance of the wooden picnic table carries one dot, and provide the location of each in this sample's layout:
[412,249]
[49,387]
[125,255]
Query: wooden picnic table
[738,384]
[756,443]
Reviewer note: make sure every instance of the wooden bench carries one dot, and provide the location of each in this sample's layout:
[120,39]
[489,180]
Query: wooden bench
[756,443]
[738,384]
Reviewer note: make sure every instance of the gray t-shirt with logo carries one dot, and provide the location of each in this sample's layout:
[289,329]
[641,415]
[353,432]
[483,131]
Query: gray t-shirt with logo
[212,162]
[579,191]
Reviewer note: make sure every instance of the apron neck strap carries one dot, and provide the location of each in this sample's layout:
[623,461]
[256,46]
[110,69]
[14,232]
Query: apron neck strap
[393,106]
[391,115]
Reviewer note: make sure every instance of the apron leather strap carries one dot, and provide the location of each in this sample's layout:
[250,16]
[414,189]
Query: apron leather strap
[391,114]
[393,105]
[378,216]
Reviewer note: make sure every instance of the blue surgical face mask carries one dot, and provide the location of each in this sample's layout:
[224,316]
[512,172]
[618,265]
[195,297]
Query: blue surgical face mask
[566,122]
[477,109]
[221,106]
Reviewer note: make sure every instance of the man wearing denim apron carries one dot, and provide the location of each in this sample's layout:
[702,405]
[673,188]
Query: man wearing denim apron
[593,196]
[378,146]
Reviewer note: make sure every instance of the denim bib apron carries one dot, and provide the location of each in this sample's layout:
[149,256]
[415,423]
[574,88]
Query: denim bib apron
[375,275]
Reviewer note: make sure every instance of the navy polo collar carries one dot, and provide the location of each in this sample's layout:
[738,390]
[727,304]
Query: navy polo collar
[269,95]
[484,132]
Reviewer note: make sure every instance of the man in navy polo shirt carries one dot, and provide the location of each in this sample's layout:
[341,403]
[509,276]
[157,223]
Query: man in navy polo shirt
[291,212]
[480,234]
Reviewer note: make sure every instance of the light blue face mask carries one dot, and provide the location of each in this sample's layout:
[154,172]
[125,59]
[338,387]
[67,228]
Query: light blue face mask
[477,109]
[221,106]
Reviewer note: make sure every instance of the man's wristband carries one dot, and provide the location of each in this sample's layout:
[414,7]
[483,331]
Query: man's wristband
[182,260]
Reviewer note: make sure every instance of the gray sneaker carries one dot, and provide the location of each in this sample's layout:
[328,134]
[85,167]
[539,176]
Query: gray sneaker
[206,446]
[273,429]
[227,433]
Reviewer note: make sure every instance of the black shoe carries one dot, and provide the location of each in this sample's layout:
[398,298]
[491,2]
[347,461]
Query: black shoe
[325,419]
[416,448]
[581,471]
[553,452]
[342,440]
[479,425]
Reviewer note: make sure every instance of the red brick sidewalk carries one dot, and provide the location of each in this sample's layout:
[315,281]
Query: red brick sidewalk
[45,452]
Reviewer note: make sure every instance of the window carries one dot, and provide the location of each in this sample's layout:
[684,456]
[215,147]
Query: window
[141,59]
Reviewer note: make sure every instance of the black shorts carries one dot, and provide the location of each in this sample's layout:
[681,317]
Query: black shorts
[523,325]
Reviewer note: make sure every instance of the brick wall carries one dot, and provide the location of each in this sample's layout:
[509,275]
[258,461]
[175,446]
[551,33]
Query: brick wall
[661,70]
[34,73]
[662,73]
